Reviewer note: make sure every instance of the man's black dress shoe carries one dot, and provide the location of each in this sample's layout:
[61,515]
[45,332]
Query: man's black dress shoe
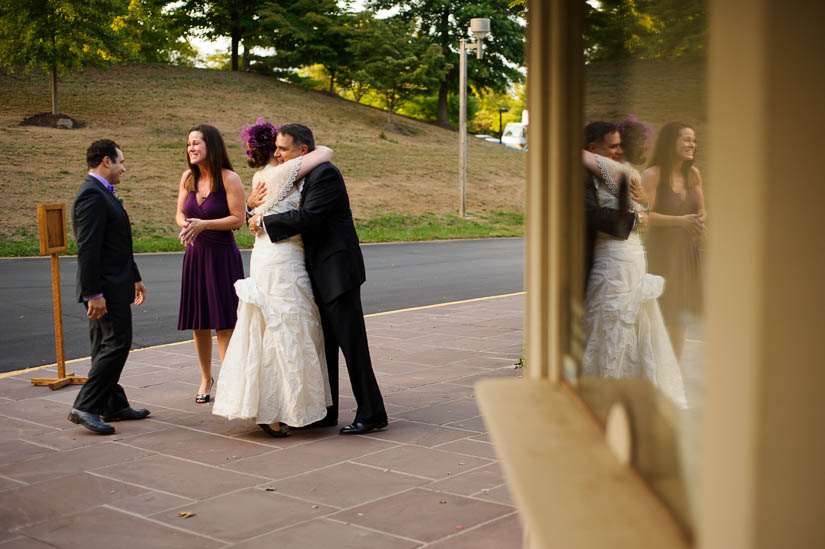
[359,428]
[282,432]
[127,413]
[90,421]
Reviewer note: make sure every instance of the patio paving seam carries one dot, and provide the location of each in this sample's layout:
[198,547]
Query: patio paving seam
[375,530]
[30,421]
[321,468]
[467,530]
[339,509]
[487,490]
[474,498]
[390,470]
[20,482]
[228,437]
[165,524]
[190,461]
[461,421]
[474,495]
[41,445]
[143,486]
[411,444]
[468,437]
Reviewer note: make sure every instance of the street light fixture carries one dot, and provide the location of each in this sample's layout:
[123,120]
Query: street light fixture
[480,28]
[500,127]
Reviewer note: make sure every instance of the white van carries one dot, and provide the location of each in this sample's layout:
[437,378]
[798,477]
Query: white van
[515,135]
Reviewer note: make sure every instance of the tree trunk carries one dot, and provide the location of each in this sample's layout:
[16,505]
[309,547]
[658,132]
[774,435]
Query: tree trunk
[443,117]
[55,104]
[331,81]
[236,38]
[389,109]
[247,55]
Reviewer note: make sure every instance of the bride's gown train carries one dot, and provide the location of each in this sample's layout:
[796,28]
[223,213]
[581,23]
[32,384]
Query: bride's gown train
[275,369]
[624,329]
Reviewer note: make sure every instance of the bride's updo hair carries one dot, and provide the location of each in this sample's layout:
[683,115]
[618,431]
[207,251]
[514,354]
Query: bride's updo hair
[259,141]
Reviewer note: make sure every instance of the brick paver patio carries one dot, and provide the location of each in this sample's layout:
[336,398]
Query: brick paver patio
[431,480]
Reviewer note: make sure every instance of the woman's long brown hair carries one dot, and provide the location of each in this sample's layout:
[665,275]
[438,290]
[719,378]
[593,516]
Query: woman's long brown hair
[216,155]
[664,156]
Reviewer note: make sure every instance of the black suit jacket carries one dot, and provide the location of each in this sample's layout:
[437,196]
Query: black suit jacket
[105,263]
[324,220]
[617,223]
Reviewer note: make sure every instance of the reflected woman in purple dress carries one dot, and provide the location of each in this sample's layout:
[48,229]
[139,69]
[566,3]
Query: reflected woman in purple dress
[677,224]
[210,205]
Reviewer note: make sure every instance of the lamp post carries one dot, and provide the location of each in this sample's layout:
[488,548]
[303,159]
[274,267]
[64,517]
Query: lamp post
[500,127]
[480,28]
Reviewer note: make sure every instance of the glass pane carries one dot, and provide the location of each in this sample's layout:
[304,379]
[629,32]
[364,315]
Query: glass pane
[641,338]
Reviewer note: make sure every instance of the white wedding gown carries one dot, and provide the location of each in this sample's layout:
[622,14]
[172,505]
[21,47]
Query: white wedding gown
[624,329]
[274,369]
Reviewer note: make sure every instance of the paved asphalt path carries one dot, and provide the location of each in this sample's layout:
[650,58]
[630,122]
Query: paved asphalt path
[398,276]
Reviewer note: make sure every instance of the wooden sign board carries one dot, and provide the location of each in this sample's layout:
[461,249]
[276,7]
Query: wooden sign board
[51,218]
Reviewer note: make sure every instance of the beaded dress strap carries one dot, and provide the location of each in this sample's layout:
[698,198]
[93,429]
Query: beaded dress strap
[282,193]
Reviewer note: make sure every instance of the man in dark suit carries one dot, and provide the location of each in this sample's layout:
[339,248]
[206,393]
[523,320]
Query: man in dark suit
[603,138]
[108,281]
[336,269]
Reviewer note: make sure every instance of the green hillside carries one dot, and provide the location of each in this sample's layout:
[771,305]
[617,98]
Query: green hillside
[410,168]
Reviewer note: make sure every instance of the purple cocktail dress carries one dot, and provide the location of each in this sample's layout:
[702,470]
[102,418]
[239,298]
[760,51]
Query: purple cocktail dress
[211,265]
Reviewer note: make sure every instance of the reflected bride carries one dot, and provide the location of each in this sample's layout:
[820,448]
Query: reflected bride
[625,335]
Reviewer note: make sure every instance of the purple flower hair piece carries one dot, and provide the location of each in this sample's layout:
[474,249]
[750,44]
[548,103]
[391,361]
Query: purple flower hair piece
[260,135]
[631,121]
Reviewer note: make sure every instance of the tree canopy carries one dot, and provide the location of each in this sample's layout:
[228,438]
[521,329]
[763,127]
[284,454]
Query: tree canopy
[445,22]
[308,32]
[394,62]
[60,36]
[645,29]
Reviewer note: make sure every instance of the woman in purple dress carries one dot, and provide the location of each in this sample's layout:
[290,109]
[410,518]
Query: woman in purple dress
[677,222]
[210,205]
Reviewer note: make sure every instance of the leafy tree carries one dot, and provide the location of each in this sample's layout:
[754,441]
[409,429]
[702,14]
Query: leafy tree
[60,36]
[237,20]
[425,107]
[684,29]
[445,22]
[394,62]
[308,32]
[487,118]
[153,36]
[520,6]
[644,29]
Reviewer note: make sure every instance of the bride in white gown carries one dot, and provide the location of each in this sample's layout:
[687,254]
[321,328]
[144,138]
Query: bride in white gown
[275,369]
[624,330]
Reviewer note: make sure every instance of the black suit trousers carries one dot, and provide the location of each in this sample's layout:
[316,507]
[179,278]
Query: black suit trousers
[111,340]
[342,320]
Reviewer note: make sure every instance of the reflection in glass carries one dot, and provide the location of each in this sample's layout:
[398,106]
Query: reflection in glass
[624,331]
[641,334]
[677,223]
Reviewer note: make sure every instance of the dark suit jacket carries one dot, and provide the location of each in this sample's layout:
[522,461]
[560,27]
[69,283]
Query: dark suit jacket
[105,263]
[324,220]
[617,223]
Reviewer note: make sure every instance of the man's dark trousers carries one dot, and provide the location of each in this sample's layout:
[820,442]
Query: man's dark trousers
[111,338]
[342,320]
